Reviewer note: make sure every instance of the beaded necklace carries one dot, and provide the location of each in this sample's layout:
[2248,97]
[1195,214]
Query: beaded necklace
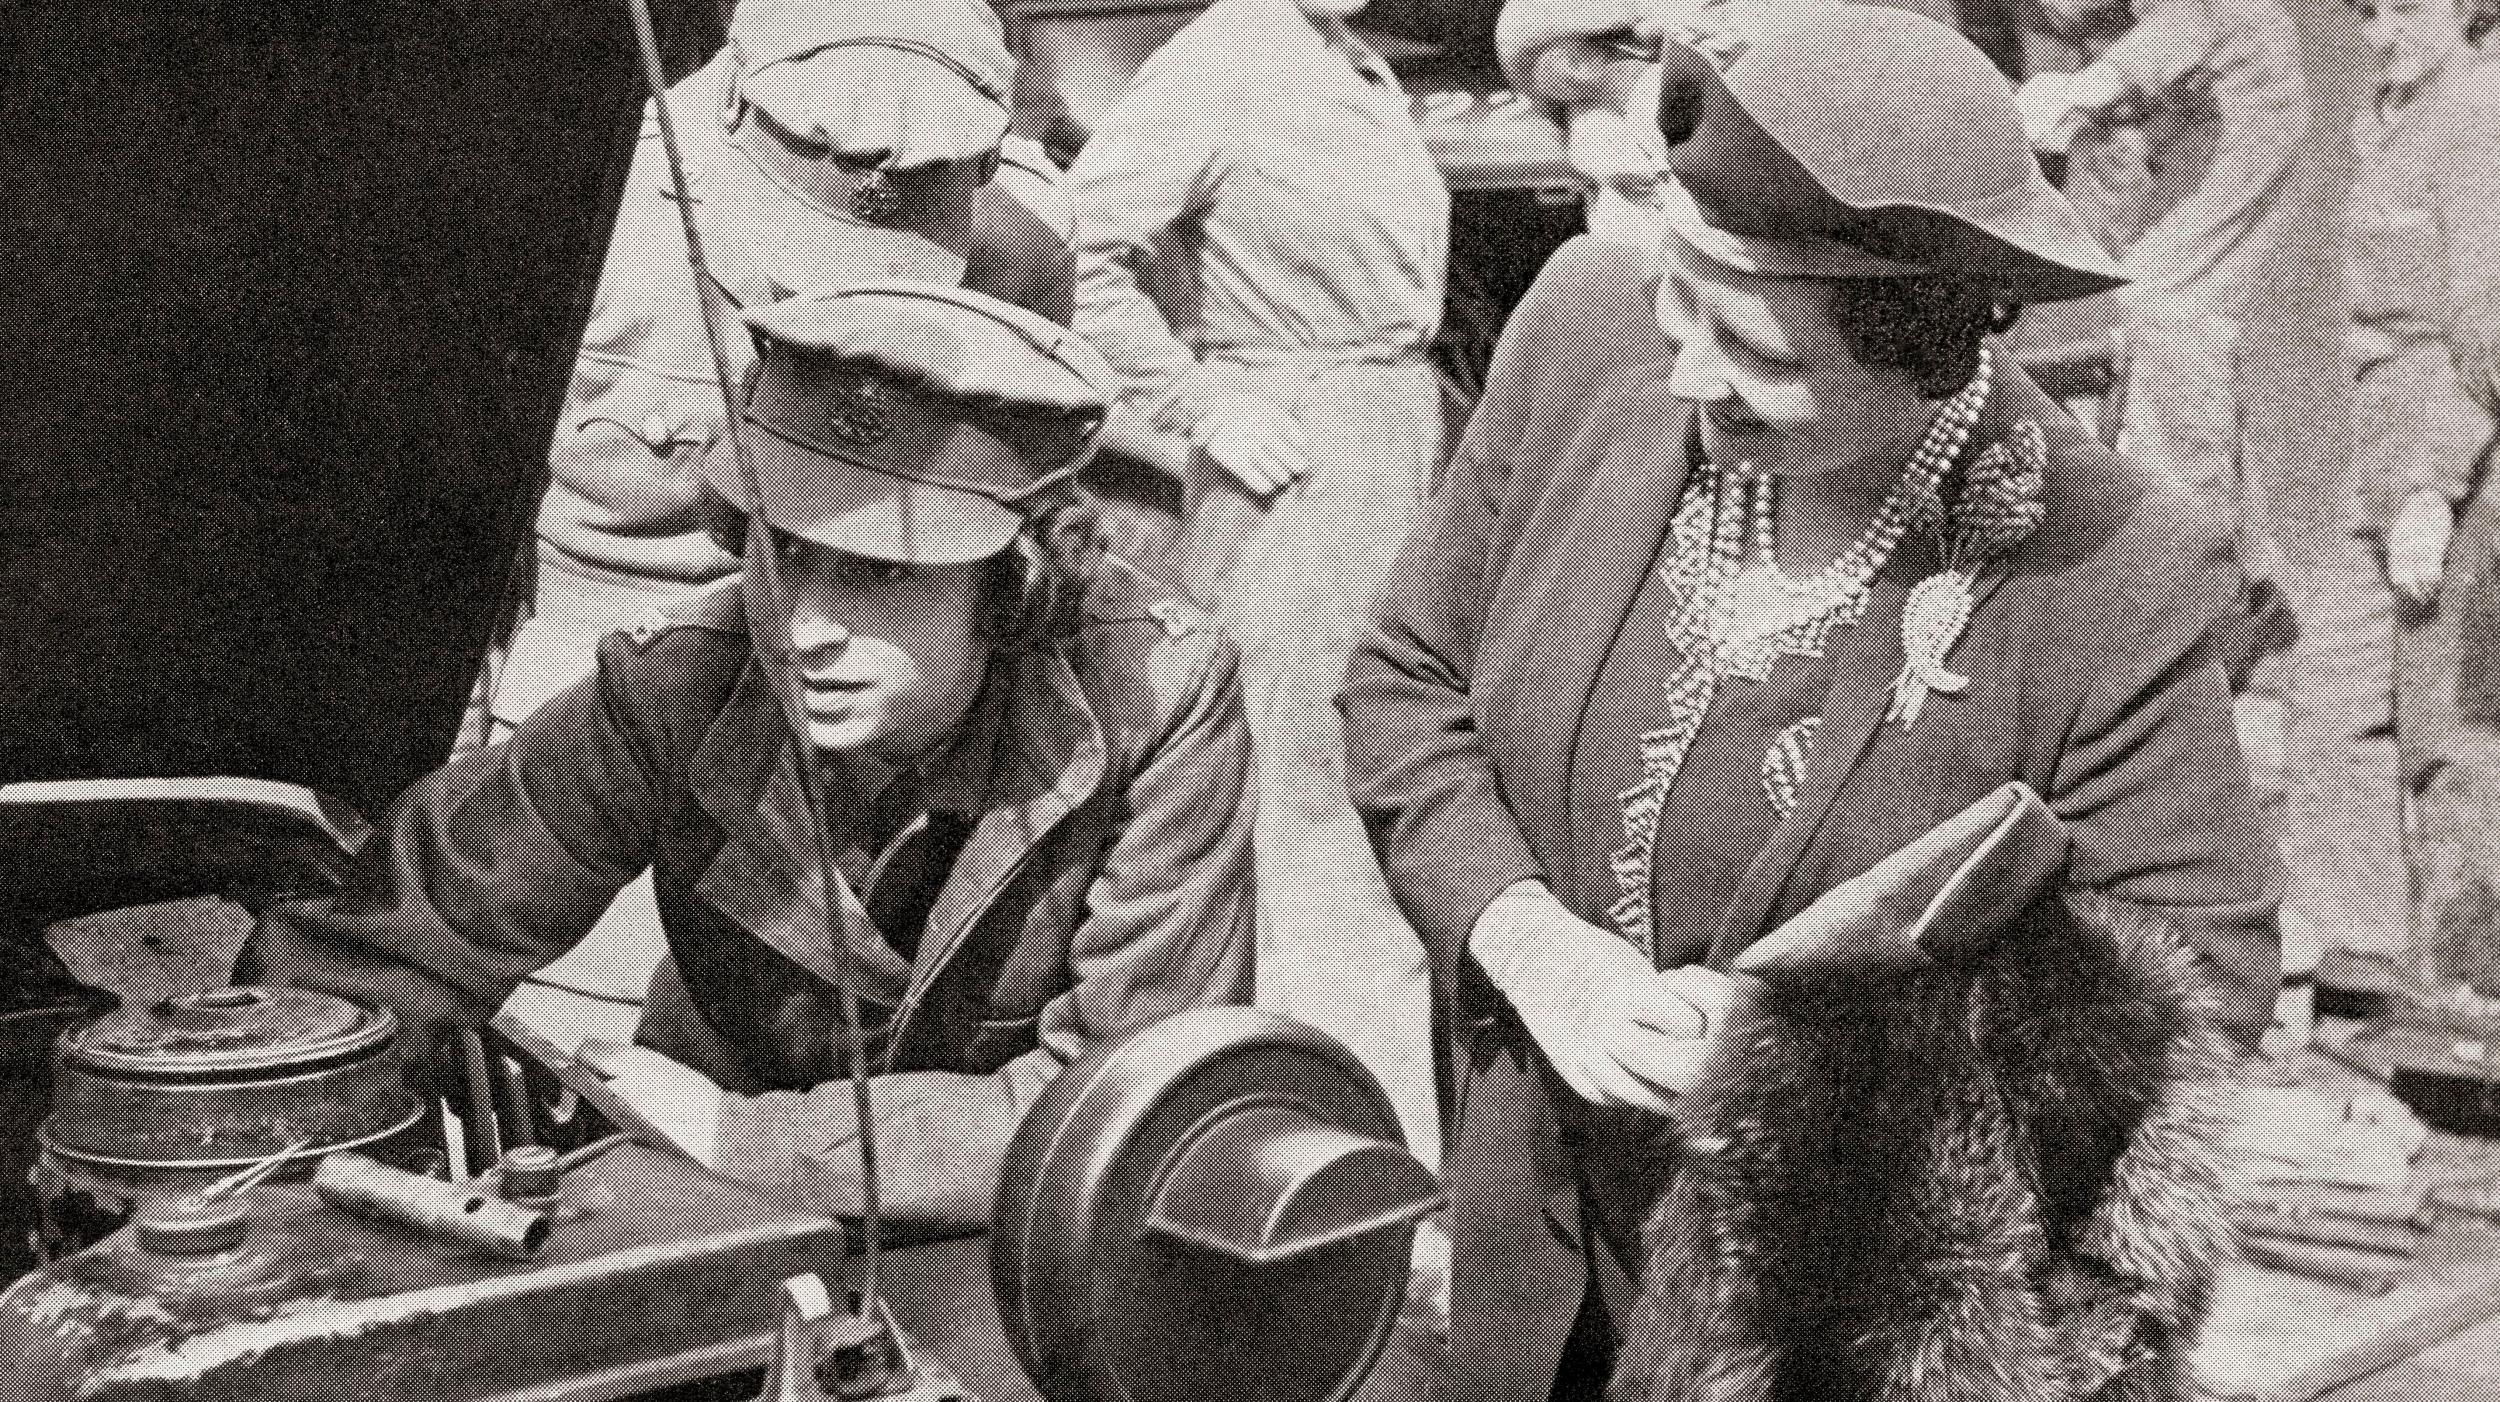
[1719,510]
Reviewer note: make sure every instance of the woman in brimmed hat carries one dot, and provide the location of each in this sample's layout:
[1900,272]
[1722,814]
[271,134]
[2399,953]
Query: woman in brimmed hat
[1701,627]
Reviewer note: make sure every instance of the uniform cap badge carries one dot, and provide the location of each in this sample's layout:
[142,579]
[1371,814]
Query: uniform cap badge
[858,414]
[874,197]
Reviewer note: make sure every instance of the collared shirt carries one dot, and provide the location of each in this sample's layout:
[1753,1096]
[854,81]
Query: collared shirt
[1262,192]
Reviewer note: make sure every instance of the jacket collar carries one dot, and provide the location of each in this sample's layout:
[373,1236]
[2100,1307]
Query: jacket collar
[1032,753]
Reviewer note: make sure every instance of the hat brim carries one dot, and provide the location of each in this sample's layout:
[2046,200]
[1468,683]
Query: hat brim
[1811,257]
[1769,155]
[860,511]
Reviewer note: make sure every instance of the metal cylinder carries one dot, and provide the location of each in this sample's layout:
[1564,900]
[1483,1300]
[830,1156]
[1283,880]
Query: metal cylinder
[452,1212]
[167,1099]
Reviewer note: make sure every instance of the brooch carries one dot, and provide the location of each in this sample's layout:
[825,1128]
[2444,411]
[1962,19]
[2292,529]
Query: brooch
[1997,509]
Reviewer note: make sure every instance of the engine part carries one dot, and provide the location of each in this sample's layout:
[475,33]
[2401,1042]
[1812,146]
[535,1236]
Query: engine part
[669,1276]
[458,1213]
[1220,1205]
[825,1355]
[173,1097]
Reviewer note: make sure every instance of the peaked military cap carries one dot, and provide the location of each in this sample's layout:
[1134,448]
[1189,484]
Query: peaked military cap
[857,136]
[912,421]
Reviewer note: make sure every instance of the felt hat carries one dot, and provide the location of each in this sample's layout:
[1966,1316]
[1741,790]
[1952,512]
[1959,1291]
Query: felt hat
[1817,139]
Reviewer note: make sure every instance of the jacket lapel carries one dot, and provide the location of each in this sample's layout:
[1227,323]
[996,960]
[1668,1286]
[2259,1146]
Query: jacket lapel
[745,774]
[1575,609]
[1867,657]
[1043,757]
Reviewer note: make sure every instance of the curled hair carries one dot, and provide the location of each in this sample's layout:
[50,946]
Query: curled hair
[1928,327]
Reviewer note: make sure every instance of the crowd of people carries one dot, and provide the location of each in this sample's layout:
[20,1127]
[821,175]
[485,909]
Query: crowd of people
[1773,711]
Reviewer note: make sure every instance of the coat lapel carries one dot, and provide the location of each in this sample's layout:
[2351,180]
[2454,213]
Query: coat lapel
[1043,757]
[1866,658]
[1576,609]
[1037,756]
[745,773]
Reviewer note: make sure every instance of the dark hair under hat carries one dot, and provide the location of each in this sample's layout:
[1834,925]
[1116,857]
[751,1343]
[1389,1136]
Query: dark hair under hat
[1875,129]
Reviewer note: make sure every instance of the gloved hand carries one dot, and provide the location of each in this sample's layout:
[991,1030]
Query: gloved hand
[1618,1032]
[677,1099]
[2417,544]
[1261,445]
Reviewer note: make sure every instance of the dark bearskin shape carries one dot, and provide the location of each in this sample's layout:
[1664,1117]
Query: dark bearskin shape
[1999,1182]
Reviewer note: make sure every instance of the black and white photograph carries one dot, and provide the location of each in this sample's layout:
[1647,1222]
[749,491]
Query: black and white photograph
[1285,700]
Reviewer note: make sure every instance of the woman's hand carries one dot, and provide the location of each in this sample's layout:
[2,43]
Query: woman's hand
[1618,1032]
[678,1100]
[1261,445]
[2417,544]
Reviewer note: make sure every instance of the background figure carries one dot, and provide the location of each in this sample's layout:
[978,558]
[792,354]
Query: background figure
[2180,137]
[779,146]
[2422,252]
[1261,242]
[2462,805]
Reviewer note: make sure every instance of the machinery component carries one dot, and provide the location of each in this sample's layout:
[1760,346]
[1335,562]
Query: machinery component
[1219,1205]
[451,1212]
[531,1175]
[829,1355]
[671,1277]
[171,1098]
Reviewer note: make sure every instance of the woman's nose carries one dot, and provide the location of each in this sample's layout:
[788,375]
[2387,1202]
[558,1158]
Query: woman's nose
[813,631]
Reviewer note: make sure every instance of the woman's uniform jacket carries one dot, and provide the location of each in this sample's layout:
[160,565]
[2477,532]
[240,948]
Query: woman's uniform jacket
[1104,885]
[2094,679]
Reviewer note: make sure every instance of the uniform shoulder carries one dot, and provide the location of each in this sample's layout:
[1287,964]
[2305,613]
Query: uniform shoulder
[2476,94]
[1221,47]
[1140,648]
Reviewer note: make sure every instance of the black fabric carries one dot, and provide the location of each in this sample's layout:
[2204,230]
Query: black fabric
[294,296]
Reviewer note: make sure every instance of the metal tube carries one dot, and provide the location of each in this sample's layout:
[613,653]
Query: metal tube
[454,1212]
[780,665]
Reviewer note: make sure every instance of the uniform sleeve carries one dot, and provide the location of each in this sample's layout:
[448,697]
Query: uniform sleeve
[1149,171]
[2262,94]
[2467,196]
[2152,777]
[483,872]
[2162,49]
[1167,926]
[1415,762]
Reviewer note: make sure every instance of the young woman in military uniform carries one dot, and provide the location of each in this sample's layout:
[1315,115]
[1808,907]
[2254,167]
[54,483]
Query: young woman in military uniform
[1036,774]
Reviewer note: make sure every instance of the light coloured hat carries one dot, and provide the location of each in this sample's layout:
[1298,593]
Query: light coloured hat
[912,421]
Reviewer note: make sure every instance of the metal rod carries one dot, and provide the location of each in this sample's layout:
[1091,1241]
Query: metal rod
[780,662]
[237,1182]
[575,1158]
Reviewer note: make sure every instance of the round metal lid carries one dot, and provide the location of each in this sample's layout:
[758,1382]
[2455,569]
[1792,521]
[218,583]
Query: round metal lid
[1218,1206]
[228,1032]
